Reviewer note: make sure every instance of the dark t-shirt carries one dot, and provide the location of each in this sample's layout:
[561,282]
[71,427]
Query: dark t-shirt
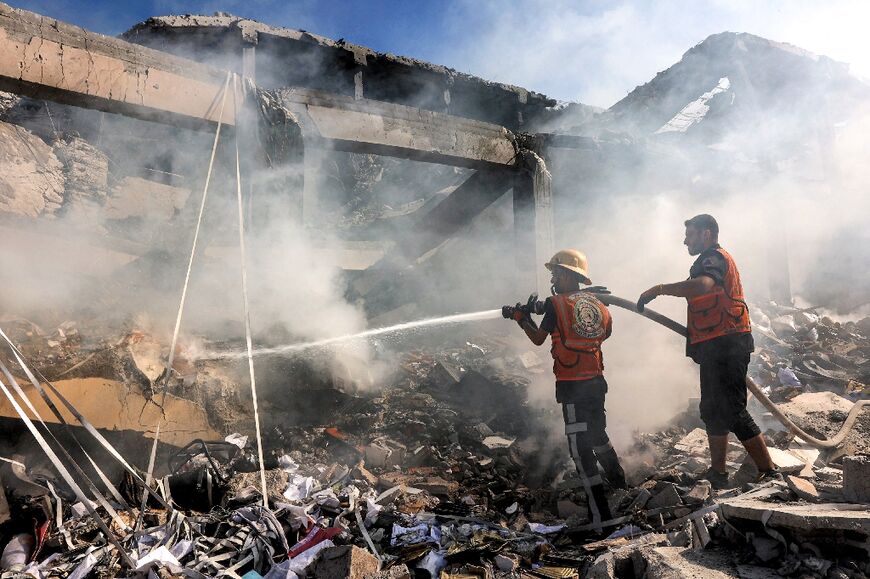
[548,324]
[713,265]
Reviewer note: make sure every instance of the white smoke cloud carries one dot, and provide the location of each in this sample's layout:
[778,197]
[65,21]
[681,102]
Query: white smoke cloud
[597,52]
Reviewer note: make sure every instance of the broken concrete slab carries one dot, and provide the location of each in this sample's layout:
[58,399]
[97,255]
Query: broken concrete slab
[856,478]
[802,517]
[498,442]
[113,406]
[785,461]
[678,562]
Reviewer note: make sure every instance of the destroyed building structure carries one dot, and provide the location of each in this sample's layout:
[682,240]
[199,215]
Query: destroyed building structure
[412,470]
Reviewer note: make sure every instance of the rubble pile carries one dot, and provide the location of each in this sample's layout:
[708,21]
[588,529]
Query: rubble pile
[424,475]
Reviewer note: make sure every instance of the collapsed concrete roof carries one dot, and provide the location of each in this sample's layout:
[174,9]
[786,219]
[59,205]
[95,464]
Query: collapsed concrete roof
[287,57]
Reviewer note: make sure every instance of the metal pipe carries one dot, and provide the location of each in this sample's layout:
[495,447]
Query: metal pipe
[834,442]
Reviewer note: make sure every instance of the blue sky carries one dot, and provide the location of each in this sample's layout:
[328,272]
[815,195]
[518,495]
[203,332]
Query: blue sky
[589,51]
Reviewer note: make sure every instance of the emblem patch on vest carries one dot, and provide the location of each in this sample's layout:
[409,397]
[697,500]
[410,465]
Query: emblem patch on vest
[588,320]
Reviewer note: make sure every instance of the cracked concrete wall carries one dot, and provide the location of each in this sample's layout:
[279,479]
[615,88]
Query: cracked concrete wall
[31,176]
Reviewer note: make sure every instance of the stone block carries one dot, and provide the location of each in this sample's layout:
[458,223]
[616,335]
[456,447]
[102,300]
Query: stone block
[787,462]
[699,493]
[666,497]
[346,561]
[445,375]
[694,443]
[856,479]
[640,500]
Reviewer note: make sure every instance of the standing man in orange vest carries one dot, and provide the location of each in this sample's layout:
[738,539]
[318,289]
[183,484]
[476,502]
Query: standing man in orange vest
[578,323]
[720,340]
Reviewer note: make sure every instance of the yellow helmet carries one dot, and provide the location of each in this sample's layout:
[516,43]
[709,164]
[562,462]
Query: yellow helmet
[572,260]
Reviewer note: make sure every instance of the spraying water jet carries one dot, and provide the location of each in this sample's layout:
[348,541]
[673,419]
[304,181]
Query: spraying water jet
[394,329]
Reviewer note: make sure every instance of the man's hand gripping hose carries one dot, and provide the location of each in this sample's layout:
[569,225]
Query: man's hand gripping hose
[834,442]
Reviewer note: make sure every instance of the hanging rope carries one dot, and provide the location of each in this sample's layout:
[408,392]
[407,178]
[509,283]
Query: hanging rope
[171,359]
[175,332]
[248,340]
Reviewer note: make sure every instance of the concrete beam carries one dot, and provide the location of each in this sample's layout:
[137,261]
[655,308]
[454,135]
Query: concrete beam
[364,126]
[46,59]
[456,212]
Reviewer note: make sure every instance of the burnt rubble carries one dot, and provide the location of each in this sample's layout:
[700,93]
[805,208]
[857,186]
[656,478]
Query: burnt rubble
[444,469]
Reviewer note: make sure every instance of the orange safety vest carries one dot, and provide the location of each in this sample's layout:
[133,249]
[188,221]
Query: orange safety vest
[582,324]
[721,312]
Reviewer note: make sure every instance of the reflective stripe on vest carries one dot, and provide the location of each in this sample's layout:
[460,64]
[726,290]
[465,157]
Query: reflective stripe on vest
[582,324]
[722,311]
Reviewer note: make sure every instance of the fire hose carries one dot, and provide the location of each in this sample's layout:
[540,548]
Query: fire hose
[609,299]
[793,428]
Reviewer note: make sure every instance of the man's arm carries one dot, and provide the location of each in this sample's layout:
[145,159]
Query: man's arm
[535,334]
[690,288]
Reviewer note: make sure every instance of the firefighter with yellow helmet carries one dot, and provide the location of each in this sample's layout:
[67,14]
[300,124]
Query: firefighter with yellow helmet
[577,323]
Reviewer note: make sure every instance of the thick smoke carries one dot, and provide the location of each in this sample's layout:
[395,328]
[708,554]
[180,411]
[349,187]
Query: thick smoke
[625,213]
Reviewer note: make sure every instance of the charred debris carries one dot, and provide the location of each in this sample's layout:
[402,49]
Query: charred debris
[430,456]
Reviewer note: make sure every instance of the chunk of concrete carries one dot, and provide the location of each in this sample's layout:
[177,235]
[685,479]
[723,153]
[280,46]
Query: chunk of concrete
[346,561]
[445,375]
[802,488]
[785,461]
[31,176]
[640,500]
[498,442]
[856,478]
[385,452]
[800,517]
[400,571]
[694,443]
[667,497]
[700,492]
[766,549]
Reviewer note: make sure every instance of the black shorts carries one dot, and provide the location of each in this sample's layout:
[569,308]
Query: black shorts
[723,396]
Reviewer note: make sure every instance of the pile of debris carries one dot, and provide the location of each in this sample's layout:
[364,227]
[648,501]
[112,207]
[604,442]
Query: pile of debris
[426,477]
[799,350]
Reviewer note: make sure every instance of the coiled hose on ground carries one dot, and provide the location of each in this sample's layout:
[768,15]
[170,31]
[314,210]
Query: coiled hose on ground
[667,322]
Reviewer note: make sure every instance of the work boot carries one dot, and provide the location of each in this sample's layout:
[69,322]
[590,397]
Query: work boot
[718,480]
[613,472]
[769,475]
